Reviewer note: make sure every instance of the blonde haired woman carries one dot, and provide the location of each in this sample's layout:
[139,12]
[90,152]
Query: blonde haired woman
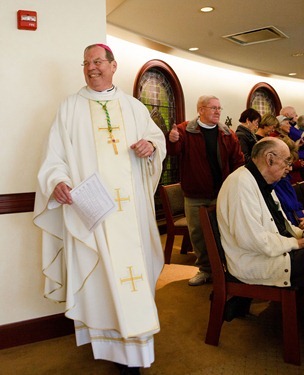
[266,126]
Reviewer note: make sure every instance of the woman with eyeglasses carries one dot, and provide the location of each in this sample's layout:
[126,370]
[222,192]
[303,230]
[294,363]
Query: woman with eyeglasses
[292,207]
[282,130]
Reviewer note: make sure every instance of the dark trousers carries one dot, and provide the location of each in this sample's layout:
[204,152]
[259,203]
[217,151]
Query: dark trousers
[297,267]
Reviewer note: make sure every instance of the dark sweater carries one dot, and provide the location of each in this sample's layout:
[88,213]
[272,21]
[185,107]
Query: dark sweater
[198,179]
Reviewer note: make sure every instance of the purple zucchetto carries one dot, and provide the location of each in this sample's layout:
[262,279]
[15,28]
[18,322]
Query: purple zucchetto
[105,47]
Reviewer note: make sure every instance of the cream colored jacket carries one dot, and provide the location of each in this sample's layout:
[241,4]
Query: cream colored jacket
[256,253]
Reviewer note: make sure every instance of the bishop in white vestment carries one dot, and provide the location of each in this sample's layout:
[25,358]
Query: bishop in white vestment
[105,277]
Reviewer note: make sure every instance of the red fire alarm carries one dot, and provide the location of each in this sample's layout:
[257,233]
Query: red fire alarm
[26,20]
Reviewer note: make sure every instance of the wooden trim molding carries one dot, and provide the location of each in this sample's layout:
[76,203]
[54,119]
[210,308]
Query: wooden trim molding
[30,331]
[174,82]
[16,203]
[272,93]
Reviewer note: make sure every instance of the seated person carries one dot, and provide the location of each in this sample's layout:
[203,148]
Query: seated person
[289,201]
[260,244]
[282,130]
[295,133]
[286,193]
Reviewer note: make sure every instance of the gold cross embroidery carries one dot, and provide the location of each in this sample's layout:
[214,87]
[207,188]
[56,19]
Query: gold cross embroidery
[119,199]
[131,279]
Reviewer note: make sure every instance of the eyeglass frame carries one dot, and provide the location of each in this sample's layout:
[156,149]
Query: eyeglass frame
[213,108]
[288,163]
[96,62]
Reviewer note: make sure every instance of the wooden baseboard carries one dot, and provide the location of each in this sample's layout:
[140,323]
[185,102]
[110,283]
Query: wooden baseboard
[30,331]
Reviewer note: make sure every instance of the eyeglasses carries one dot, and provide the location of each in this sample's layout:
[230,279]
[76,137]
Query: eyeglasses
[287,162]
[96,62]
[214,108]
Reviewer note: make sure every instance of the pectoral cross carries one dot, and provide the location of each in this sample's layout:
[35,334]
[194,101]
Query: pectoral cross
[131,279]
[112,139]
[119,200]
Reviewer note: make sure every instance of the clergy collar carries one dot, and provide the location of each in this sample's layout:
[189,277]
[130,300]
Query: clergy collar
[205,126]
[263,185]
[102,92]
[110,89]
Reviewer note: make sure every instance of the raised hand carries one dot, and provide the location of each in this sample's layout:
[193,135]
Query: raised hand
[174,134]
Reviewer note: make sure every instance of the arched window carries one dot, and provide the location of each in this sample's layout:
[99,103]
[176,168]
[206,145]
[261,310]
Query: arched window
[158,88]
[264,99]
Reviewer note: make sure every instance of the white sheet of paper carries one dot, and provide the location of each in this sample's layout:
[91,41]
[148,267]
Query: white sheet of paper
[92,201]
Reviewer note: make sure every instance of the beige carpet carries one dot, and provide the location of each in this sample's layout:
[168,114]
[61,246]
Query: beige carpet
[248,346]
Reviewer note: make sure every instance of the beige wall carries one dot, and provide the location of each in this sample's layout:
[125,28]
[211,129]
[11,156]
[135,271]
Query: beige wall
[37,70]
[40,68]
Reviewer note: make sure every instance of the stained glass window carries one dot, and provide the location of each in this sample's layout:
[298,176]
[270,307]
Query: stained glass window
[154,88]
[264,99]
[262,103]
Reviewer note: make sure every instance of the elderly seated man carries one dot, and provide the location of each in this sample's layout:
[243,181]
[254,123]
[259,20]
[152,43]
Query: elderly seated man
[260,244]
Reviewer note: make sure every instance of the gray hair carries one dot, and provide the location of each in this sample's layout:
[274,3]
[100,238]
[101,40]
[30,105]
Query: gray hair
[204,100]
[109,54]
[285,111]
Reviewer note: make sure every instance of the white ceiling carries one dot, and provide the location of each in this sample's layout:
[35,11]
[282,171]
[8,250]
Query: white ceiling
[180,24]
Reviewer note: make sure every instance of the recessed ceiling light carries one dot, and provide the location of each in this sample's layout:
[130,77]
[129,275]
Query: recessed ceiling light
[193,49]
[292,74]
[207,9]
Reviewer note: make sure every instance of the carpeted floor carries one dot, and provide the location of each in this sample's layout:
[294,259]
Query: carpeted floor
[248,346]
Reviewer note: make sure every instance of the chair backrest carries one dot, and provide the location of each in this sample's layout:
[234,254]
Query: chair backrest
[299,189]
[213,244]
[172,198]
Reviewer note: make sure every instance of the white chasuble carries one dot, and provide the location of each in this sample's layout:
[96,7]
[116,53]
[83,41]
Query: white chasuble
[103,276]
[122,229]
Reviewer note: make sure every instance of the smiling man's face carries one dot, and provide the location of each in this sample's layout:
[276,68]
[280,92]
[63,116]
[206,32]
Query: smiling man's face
[98,70]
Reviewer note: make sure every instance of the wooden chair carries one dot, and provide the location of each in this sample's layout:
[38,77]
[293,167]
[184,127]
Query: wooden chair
[299,189]
[172,198]
[223,288]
